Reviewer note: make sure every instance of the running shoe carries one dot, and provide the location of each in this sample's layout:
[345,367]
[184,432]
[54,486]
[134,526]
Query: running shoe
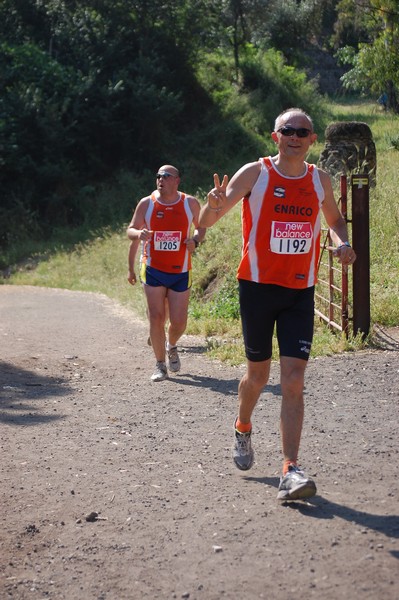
[160,372]
[243,454]
[174,360]
[295,485]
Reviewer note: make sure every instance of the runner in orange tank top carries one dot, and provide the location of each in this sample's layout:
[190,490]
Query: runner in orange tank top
[166,225]
[282,244]
[282,198]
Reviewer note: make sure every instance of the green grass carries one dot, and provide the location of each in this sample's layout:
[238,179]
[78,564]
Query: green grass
[100,264]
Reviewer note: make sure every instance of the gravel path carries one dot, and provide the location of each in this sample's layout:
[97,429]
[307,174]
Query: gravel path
[116,488]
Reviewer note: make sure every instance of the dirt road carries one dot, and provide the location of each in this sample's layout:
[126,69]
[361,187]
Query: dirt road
[83,430]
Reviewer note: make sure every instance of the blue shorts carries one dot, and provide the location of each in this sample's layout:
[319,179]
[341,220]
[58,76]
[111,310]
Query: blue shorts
[178,282]
[264,306]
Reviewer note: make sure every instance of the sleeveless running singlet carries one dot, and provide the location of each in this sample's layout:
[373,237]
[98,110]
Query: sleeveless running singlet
[281,228]
[171,223]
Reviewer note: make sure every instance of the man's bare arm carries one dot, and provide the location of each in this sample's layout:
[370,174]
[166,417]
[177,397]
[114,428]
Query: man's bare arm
[227,194]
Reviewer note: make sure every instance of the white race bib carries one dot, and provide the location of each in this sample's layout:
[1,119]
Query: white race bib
[167,240]
[291,238]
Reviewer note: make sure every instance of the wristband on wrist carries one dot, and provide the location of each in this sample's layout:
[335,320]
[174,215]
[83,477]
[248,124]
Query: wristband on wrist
[214,209]
[347,244]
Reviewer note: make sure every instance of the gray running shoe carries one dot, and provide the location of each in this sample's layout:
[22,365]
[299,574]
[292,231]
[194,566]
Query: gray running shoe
[243,454]
[160,372]
[295,485]
[174,360]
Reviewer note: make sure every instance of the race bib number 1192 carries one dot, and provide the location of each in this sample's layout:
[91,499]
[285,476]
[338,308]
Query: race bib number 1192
[291,238]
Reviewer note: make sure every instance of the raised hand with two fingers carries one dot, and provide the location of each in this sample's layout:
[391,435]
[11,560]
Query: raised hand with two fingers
[217,196]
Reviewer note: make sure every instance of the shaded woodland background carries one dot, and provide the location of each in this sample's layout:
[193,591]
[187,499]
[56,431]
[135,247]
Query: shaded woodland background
[95,95]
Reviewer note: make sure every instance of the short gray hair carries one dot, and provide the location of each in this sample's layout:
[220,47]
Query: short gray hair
[292,110]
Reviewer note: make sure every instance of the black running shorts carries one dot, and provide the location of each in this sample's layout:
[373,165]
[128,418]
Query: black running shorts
[263,306]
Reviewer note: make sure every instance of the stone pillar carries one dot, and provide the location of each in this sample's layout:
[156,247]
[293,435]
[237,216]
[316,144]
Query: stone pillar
[349,149]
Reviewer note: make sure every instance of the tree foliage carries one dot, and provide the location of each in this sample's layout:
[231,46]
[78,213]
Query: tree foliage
[374,57]
[90,89]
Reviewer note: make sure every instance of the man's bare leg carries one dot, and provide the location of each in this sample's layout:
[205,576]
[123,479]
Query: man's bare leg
[249,390]
[178,310]
[294,484]
[292,405]
[156,315]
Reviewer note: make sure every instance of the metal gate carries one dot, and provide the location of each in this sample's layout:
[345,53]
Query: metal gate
[336,303]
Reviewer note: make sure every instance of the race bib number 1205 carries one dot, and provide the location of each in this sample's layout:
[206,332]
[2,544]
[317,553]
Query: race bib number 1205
[291,238]
[167,240]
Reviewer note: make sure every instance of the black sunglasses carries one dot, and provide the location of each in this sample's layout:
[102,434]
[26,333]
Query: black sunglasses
[301,132]
[165,175]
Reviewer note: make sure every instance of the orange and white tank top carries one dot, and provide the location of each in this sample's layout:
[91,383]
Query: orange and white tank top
[281,227]
[171,225]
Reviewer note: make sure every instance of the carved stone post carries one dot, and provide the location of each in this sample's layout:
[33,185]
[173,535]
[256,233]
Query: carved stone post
[349,148]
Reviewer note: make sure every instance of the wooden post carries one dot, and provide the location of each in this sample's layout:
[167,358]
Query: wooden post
[344,275]
[361,245]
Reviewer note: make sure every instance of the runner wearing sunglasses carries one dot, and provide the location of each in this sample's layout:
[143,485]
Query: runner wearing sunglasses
[282,197]
[166,224]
